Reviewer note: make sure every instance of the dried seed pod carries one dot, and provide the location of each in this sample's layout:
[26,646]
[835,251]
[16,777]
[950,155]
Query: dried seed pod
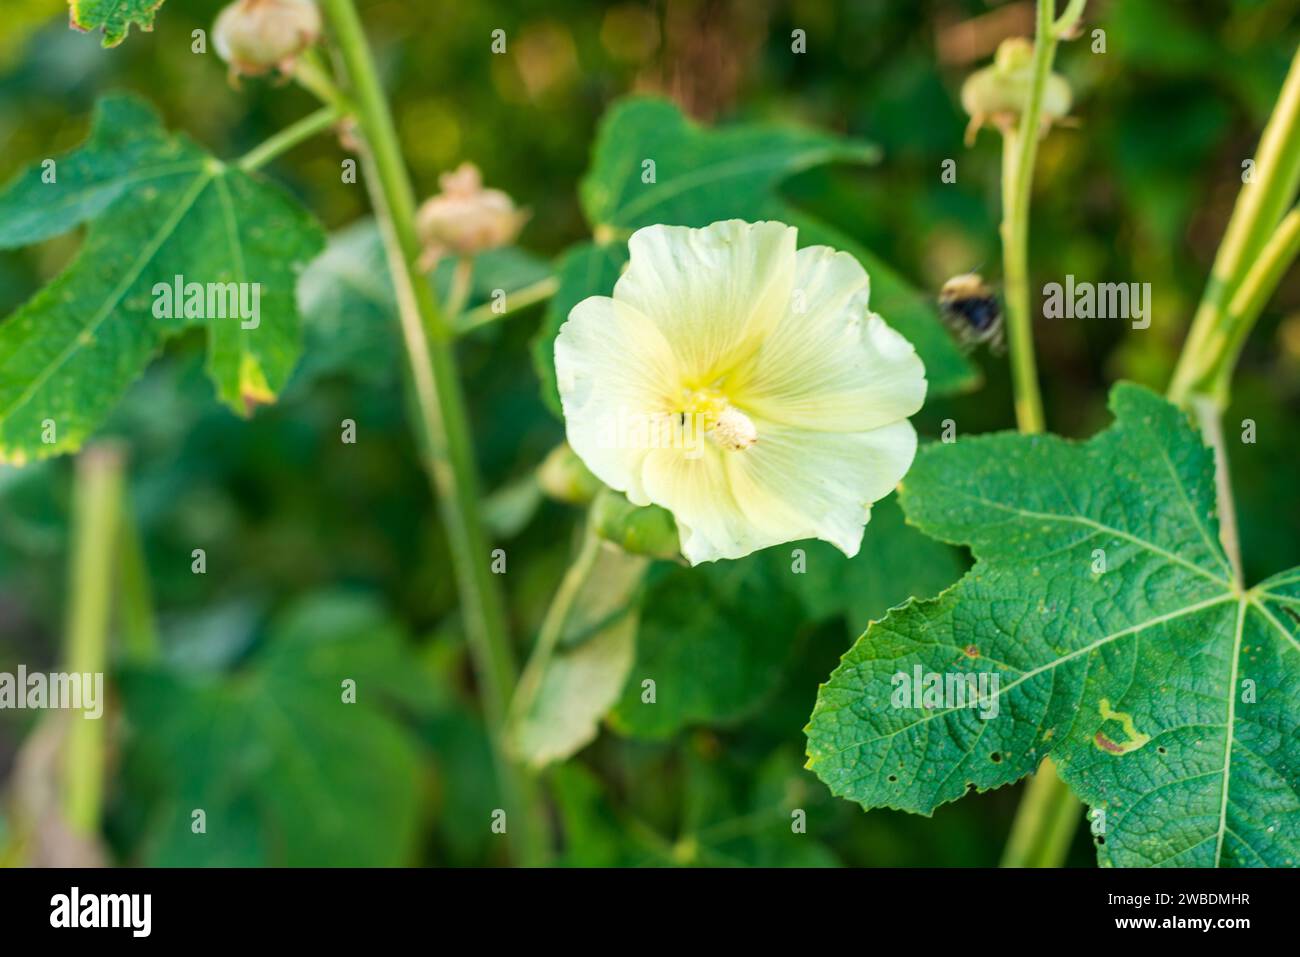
[998,94]
[465,219]
[256,36]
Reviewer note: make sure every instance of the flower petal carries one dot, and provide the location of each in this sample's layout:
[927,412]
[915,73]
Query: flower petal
[796,483]
[715,293]
[696,491]
[614,370]
[831,364]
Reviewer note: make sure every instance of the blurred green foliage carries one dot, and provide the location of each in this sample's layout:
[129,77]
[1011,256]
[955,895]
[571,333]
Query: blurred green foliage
[330,555]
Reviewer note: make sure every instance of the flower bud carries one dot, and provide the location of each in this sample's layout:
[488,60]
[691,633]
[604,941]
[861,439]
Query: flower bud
[255,36]
[999,93]
[641,530]
[564,478]
[465,219]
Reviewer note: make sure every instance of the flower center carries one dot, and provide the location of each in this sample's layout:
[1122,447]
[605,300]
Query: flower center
[733,430]
[728,427]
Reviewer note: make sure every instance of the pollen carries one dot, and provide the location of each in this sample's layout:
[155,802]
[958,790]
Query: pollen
[733,430]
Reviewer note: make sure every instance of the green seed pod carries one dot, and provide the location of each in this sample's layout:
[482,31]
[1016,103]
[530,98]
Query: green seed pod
[256,36]
[641,530]
[998,93]
[563,477]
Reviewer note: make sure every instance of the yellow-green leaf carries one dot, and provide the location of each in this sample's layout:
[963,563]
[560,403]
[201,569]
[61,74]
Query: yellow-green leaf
[177,240]
[114,17]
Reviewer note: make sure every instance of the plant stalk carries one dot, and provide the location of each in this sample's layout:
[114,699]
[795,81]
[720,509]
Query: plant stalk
[1048,812]
[516,301]
[137,624]
[1045,822]
[1216,335]
[555,620]
[1015,260]
[1209,418]
[1253,293]
[96,518]
[289,137]
[1019,153]
[443,427]
[311,73]
[1259,245]
[462,280]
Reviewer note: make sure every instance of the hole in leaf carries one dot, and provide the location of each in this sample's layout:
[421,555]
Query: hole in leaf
[995,758]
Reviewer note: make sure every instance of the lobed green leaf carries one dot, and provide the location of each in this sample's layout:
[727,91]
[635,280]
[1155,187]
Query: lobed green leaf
[700,175]
[159,208]
[1104,604]
[287,772]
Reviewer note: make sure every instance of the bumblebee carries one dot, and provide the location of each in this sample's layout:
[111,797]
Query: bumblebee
[971,310]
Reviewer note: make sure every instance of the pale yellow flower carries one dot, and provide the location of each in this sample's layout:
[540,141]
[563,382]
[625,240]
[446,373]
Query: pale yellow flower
[743,385]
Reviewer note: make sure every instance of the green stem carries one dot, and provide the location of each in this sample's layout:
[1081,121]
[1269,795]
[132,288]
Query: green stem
[1209,418]
[557,616]
[97,501]
[1258,247]
[1255,217]
[1068,18]
[1253,293]
[1015,265]
[444,431]
[311,73]
[1019,153]
[520,299]
[1048,813]
[139,628]
[462,276]
[289,137]
[1045,822]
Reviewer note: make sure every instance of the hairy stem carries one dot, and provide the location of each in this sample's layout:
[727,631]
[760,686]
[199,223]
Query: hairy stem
[97,502]
[1048,813]
[443,427]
